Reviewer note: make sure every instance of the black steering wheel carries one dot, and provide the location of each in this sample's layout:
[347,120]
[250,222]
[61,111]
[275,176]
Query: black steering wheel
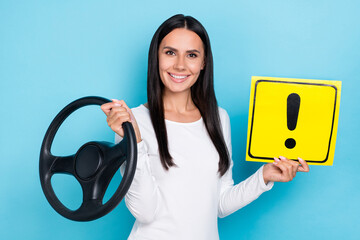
[94,165]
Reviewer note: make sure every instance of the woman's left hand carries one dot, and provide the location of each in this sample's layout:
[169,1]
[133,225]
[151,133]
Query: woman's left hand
[283,169]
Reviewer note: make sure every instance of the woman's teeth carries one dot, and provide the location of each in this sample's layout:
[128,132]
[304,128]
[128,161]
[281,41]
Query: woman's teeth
[178,77]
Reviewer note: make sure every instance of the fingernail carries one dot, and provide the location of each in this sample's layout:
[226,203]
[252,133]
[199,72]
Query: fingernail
[282,158]
[300,159]
[117,105]
[276,159]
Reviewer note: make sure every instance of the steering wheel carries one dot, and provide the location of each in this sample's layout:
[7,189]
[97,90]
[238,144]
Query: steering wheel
[93,166]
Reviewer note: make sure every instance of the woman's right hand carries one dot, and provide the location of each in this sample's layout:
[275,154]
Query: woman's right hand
[117,113]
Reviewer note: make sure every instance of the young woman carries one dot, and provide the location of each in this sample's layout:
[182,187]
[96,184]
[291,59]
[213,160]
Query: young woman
[183,181]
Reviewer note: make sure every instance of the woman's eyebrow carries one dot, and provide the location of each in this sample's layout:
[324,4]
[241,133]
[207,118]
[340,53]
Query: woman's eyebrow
[175,50]
[170,48]
[193,50]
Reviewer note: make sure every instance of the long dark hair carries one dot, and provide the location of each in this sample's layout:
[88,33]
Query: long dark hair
[202,92]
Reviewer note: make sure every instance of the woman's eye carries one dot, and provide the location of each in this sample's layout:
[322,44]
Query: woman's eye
[192,55]
[169,52]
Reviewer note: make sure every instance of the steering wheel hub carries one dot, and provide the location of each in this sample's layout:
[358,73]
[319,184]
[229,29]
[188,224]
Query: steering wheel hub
[87,161]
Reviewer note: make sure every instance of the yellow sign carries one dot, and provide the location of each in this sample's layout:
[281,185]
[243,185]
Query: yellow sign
[293,118]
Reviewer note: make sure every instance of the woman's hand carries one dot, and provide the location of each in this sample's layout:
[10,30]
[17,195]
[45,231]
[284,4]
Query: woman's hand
[283,169]
[117,113]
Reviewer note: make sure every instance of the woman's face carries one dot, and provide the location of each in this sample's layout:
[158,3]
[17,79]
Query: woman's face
[181,59]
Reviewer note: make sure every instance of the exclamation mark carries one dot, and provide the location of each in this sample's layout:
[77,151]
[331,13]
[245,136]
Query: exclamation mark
[293,106]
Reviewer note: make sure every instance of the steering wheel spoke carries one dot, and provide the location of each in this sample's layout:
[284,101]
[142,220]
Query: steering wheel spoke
[63,164]
[117,153]
[89,190]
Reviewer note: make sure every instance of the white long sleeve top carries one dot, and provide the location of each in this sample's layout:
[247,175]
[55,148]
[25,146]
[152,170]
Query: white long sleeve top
[184,202]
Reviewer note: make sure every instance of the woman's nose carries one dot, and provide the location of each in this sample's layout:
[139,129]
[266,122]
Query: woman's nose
[180,63]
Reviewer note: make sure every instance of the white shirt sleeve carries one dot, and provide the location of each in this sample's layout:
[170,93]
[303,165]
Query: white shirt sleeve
[142,198]
[233,197]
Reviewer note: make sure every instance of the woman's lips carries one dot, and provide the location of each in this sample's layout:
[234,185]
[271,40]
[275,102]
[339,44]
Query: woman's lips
[179,78]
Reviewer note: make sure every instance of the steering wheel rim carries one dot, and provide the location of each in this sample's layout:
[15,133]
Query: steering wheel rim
[93,166]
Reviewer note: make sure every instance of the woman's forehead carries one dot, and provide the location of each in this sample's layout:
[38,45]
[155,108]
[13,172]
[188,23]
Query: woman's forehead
[182,39]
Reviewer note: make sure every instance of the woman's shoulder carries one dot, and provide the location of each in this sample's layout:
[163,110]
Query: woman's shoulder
[141,114]
[141,109]
[224,117]
[223,113]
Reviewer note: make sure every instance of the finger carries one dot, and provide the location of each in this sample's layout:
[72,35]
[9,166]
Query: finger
[287,171]
[294,165]
[277,163]
[117,110]
[276,160]
[118,118]
[282,175]
[304,167]
[106,108]
[122,102]
[280,165]
[117,126]
[287,162]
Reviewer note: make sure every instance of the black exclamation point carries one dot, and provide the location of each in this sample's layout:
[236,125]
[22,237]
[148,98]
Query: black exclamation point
[293,106]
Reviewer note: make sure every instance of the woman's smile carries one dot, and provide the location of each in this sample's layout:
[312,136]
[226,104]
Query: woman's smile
[178,78]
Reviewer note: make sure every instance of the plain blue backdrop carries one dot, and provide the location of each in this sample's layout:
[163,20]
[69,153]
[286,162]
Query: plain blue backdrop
[53,52]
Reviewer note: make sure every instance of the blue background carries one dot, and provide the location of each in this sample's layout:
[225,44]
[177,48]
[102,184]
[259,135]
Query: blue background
[53,52]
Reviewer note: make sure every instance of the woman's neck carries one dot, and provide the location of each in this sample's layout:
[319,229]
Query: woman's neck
[179,107]
[178,102]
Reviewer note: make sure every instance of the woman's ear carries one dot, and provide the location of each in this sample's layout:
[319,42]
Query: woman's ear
[203,65]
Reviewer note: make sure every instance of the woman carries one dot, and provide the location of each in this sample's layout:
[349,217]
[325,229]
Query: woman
[183,180]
